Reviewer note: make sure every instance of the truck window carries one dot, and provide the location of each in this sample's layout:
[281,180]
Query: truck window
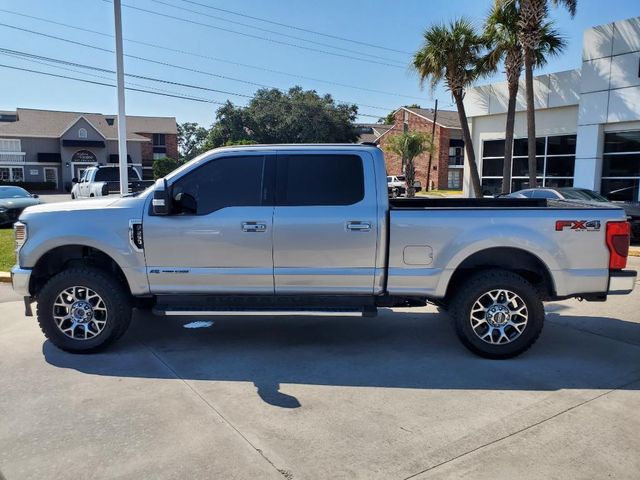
[112,174]
[224,182]
[325,179]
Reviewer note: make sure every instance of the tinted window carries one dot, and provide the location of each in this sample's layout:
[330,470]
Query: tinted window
[224,182]
[521,167]
[545,194]
[622,142]
[561,145]
[560,166]
[621,165]
[520,147]
[492,167]
[113,174]
[320,180]
[625,190]
[13,192]
[493,148]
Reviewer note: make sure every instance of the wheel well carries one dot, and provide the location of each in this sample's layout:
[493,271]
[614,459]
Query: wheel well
[515,260]
[61,258]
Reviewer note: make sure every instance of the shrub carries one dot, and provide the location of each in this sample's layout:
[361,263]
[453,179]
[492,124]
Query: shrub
[164,166]
[31,186]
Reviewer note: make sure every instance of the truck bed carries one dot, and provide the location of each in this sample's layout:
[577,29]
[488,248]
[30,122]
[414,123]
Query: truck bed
[483,203]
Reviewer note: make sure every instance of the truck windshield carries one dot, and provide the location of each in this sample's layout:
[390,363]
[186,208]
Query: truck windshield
[112,174]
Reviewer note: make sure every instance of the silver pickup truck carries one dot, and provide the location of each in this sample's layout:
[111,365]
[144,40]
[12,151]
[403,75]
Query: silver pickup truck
[310,230]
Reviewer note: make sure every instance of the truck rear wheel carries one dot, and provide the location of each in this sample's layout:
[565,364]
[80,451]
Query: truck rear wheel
[83,310]
[497,314]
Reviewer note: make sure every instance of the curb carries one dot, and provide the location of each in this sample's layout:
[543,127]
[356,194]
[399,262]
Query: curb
[634,251]
[5,277]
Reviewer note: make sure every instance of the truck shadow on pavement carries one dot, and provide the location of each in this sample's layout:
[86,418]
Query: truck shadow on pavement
[394,350]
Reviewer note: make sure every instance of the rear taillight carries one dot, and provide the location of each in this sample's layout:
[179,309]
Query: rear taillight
[618,236]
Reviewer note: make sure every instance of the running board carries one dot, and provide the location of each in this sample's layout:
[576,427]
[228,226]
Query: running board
[204,311]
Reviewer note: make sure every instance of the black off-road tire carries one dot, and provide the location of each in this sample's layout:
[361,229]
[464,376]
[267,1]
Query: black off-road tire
[478,285]
[116,299]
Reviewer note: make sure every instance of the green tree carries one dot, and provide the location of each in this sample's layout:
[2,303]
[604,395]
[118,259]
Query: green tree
[531,21]
[409,145]
[191,139]
[501,32]
[294,116]
[164,166]
[452,53]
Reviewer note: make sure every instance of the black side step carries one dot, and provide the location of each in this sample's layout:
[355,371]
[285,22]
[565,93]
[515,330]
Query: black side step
[203,310]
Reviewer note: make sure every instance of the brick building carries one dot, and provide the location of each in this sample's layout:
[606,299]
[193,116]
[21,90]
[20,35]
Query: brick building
[448,160]
[38,146]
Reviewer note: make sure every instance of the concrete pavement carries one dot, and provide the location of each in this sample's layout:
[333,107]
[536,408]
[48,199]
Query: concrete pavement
[391,397]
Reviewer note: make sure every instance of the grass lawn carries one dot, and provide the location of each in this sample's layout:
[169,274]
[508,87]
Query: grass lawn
[7,249]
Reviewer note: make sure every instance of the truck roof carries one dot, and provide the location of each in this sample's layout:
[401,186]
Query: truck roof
[301,146]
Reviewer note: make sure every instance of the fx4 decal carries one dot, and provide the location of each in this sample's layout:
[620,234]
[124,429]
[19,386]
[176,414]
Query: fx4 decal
[579,225]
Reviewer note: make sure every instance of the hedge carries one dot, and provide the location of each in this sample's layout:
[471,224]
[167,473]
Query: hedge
[31,186]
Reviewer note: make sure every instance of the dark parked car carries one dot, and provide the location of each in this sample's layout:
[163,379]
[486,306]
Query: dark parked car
[12,201]
[584,195]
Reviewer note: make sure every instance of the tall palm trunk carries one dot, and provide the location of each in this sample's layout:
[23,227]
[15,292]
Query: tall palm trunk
[531,118]
[508,139]
[468,145]
[410,177]
[513,68]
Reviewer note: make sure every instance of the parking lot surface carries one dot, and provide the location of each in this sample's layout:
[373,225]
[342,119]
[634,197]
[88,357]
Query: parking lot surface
[391,397]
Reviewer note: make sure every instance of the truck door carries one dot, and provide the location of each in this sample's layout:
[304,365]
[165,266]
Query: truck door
[325,224]
[225,245]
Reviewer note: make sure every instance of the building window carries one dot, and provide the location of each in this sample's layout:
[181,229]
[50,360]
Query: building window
[456,156]
[11,174]
[159,146]
[621,166]
[82,133]
[554,166]
[10,145]
[454,179]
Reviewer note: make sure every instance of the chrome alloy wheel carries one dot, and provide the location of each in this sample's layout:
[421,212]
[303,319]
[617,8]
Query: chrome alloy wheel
[80,313]
[499,317]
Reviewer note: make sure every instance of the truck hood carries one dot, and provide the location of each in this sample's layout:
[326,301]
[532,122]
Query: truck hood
[66,210]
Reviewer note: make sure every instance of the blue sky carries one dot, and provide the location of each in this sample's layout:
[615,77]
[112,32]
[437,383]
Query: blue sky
[394,25]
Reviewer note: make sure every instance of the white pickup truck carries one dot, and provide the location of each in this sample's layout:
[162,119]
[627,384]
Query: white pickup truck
[311,232]
[104,180]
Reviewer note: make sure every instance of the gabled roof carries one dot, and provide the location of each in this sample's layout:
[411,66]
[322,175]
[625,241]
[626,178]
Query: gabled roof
[444,118]
[52,124]
[376,131]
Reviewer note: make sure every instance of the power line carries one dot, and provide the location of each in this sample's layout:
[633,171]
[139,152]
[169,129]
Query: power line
[41,58]
[183,97]
[149,90]
[217,59]
[180,67]
[222,19]
[315,32]
[267,39]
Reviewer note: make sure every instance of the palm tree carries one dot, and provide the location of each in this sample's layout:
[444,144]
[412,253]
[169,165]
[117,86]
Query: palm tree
[409,145]
[501,32]
[532,16]
[452,53]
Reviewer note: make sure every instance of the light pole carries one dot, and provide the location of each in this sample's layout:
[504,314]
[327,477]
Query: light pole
[122,119]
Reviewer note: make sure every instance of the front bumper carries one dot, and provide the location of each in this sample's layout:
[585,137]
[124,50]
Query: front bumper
[622,282]
[20,278]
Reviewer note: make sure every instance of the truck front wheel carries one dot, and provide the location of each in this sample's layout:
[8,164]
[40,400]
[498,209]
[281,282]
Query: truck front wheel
[497,314]
[83,310]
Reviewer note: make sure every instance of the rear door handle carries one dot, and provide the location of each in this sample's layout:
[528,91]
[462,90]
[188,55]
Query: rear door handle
[254,227]
[359,226]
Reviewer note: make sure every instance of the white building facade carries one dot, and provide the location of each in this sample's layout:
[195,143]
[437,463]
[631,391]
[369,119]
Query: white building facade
[587,121]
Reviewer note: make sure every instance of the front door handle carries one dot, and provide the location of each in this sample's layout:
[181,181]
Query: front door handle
[254,227]
[359,226]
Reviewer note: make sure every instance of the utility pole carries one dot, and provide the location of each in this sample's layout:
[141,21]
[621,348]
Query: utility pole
[122,119]
[433,132]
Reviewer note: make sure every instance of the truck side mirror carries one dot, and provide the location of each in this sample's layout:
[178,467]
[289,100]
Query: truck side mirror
[161,198]
[74,180]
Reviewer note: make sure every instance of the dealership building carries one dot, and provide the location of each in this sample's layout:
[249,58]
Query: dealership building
[587,121]
[51,148]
